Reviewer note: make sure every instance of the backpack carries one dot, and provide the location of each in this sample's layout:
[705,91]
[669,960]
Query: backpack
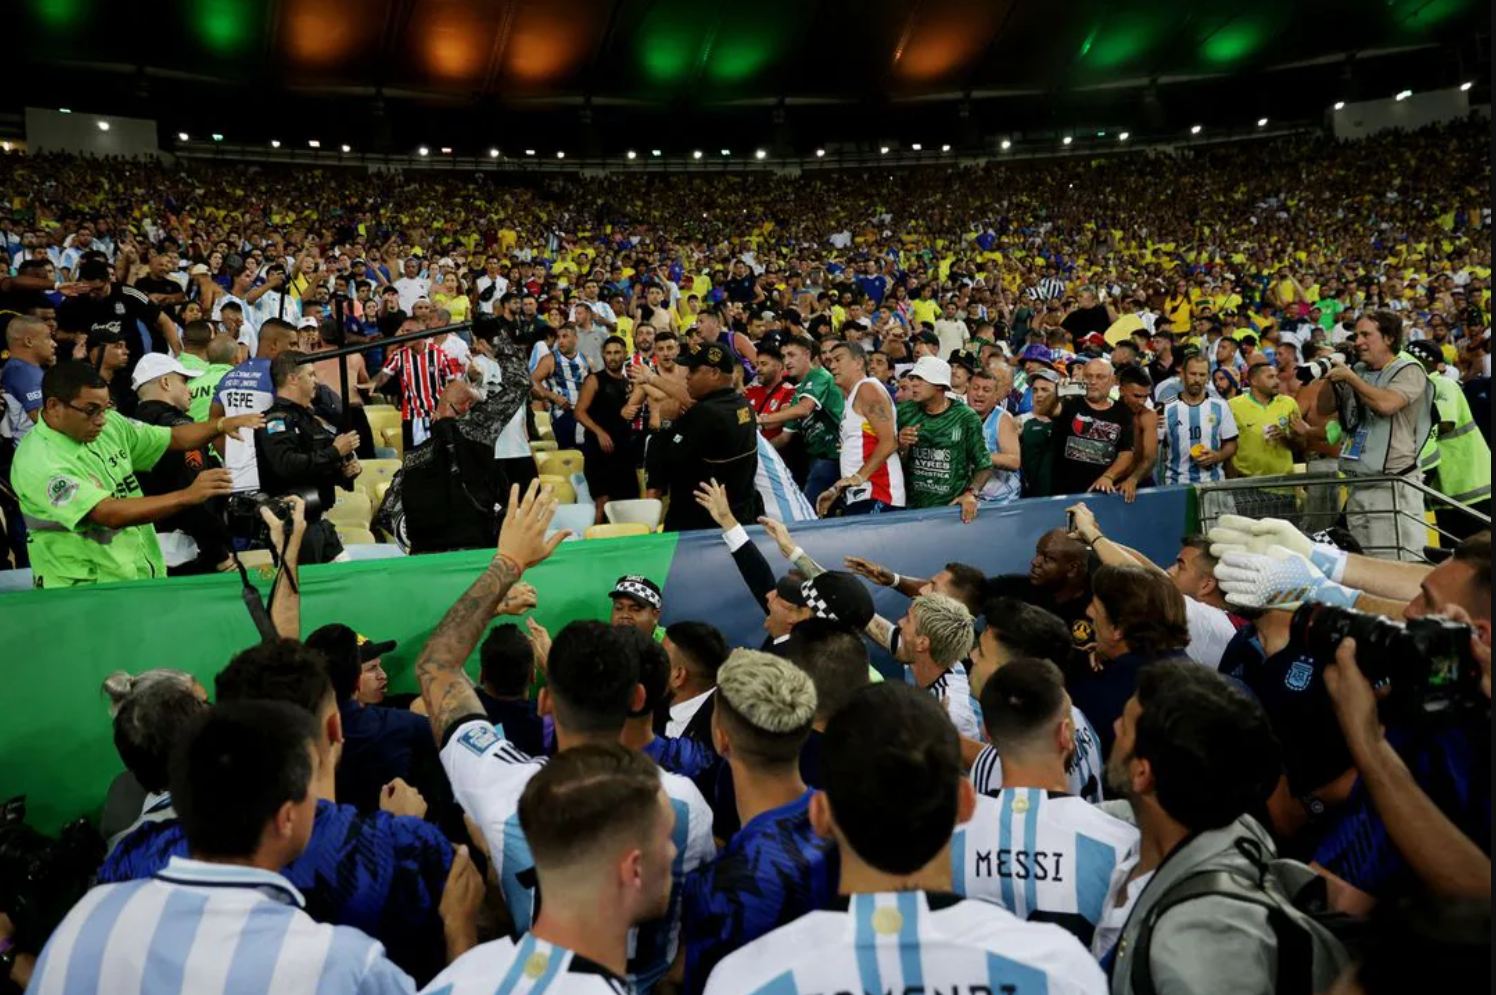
[1298,913]
[446,495]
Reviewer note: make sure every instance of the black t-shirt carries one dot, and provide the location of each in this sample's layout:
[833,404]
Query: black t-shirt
[1159,371]
[1071,611]
[125,310]
[1085,442]
[1290,685]
[150,285]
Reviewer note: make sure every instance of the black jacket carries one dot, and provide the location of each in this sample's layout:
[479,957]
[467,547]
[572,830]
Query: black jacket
[295,451]
[175,471]
[717,437]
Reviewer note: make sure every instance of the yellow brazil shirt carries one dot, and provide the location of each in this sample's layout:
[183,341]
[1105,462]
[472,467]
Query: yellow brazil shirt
[1256,456]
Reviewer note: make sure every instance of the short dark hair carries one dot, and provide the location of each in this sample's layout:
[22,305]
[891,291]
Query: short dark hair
[591,674]
[802,342]
[586,797]
[1475,552]
[234,769]
[836,658]
[277,670]
[1129,375]
[1389,324]
[616,340]
[230,306]
[703,646]
[666,336]
[1145,605]
[506,660]
[197,333]
[1211,748]
[654,670]
[147,726]
[1027,630]
[1020,702]
[284,367]
[338,645]
[891,769]
[65,381]
[1201,545]
[968,583]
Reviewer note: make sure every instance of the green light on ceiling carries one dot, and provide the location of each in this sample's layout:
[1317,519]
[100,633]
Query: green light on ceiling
[739,55]
[1085,46]
[223,26]
[669,43]
[60,14]
[1430,13]
[1127,37]
[1234,41]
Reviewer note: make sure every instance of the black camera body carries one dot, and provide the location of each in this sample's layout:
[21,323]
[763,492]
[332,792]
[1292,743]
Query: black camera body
[1427,662]
[242,512]
[42,878]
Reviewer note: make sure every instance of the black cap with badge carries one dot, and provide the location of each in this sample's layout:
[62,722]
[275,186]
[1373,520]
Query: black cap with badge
[638,588]
[836,595]
[712,354]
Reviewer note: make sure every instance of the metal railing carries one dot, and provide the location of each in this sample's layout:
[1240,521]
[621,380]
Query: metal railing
[1315,501]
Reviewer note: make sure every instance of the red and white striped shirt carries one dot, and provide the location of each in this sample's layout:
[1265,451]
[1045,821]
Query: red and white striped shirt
[424,368]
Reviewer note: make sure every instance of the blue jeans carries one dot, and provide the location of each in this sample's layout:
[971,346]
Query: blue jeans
[819,477]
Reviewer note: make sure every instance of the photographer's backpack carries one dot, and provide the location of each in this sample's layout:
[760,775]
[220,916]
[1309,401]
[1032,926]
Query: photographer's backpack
[1312,940]
[446,495]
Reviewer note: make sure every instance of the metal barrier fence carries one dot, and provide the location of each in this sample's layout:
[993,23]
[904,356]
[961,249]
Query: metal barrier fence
[1321,499]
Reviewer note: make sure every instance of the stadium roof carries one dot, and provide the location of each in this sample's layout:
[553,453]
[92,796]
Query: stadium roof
[390,73]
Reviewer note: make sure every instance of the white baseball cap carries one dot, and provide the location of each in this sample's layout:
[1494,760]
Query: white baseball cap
[156,365]
[932,370]
[308,323]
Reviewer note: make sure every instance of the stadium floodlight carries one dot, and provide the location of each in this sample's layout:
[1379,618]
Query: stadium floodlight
[1403,95]
[1195,130]
[1066,140]
[64,110]
[1465,86]
[655,152]
[820,153]
[347,148]
[560,154]
[217,138]
[696,154]
[1007,144]
[760,154]
[182,136]
[1100,134]
[917,147]
[529,151]
[446,150]
[275,143]
[314,144]
[945,148]
[423,150]
[1262,122]
[1124,136]
[727,151]
[493,153]
[1340,105]
[103,125]
[631,153]
[883,150]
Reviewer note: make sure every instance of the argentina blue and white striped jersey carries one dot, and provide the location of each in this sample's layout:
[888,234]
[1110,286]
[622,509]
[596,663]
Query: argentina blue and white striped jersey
[1085,768]
[1004,485]
[1182,426]
[528,967]
[488,774]
[1041,856]
[783,500]
[953,690]
[197,928]
[911,941]
[569,373]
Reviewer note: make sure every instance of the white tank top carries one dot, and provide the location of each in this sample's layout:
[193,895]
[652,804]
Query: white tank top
[858,440]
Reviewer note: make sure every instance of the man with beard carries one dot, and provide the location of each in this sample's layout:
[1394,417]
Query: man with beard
[1197,433]
[608,443]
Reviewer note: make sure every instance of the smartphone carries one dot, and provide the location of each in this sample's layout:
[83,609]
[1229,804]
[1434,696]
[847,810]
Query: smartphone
[1070,521]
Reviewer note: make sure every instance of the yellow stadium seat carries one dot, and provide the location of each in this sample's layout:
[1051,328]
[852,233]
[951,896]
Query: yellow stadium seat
[543,446]
[561,488]
[645,511]
[618,531]
[352,507]
[352,535]
[380,490]
[543,430]
[384,422]
[561,462]
[376,472]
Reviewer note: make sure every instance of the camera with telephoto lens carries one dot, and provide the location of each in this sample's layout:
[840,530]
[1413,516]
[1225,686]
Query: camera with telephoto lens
[242,512]
[1317,368]
[41,878]
[1427,663]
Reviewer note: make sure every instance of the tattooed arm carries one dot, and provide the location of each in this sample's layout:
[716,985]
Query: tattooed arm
[446,689]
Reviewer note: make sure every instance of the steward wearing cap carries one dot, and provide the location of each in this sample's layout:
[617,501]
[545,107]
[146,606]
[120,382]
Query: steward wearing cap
[297,451]
[717,437]
[941,445]
[87,519]
[193,541]
[636,604]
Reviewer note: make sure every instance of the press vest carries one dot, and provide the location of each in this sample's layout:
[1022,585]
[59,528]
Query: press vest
[1365,451]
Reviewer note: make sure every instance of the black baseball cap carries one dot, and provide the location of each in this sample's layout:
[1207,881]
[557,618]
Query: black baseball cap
[712,354]
[640,588]
[91,270]
[836,595]
[1424,349]
[103,336]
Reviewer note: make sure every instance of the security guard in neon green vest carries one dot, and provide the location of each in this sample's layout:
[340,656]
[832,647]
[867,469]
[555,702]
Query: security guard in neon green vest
[87,518]
[1463,470]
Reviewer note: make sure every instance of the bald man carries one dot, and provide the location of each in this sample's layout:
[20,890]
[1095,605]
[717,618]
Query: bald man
[1059,581]
[1092,437]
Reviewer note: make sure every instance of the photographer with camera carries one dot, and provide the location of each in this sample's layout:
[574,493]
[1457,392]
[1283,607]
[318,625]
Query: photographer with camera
[1385,404]
[298,453]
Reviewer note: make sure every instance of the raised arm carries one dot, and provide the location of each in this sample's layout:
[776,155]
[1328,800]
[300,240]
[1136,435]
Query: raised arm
[285,597]
[752,567]
[446,689]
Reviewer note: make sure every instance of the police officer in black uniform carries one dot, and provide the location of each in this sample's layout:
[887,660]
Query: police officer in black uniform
[717,438]
[297,452]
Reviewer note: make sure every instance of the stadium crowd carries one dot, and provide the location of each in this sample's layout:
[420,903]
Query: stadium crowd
[1262,767]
